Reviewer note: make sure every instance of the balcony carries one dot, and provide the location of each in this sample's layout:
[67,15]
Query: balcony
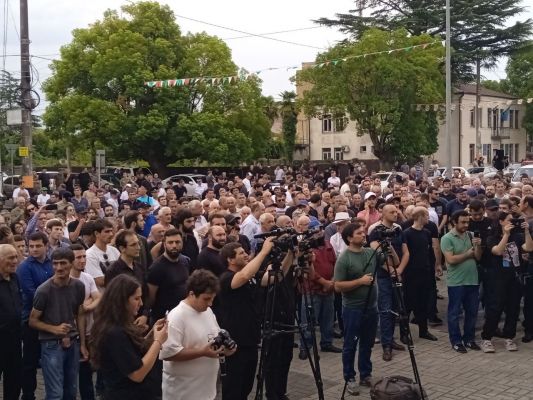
[500,133]
[301,143]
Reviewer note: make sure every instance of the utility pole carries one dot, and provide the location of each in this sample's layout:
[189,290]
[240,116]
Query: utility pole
[448,94]
[26,89]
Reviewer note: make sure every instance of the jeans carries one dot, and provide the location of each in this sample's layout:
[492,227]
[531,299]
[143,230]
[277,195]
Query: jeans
[60,369]
[324,310]
[11,364]
[240,373]
[359,331]
[466,297]
[386,304]
[86,381]
[31,352]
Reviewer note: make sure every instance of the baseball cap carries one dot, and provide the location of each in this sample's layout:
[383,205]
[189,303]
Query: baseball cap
[471,192]
[303,203]
[491,204]
[460,190]
[341,217]
[232,219]
[314,222]
[370,194]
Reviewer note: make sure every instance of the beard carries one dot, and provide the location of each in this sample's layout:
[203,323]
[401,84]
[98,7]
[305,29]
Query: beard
[188,230]
[173,254]
[218,244]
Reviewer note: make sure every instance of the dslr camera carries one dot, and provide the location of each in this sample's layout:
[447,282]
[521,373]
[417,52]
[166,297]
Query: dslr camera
[223,339]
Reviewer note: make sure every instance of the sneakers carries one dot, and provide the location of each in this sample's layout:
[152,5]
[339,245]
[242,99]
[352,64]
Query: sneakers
[352,387]
[487,347]
[460,348]
[510,345]
[367,382]
[472,346]
[387,354]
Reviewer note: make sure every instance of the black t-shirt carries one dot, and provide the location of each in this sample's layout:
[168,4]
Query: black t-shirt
[72,226]
[419,243]
[237,311]
[210,259]
[440,208]
[180,191]
[171,279]
[512,255]
[119,358]
[448,197]
[190,249]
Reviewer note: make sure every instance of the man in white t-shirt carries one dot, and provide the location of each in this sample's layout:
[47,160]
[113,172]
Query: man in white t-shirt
[334,180]
[191,361]
[92,298]
[101,254]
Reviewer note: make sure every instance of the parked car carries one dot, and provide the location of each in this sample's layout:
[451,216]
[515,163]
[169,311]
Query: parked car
[388,177]
[189,179]
[524,170]
[119,171]
[442,171]
[483,172]
[511,168]
[10,183]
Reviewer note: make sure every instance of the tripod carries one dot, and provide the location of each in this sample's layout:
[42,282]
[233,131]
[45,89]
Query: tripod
[405,331]
[272,329]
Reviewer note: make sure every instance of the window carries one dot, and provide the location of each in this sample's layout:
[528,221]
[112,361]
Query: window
[479,116]
[338,154]
[487,153]
[472,119]
[516,121]
[472,148]
[516,155]
[340,124]
[489,117]
[326,153]
[326,123]
[362,149]
[511,118]
[508,151]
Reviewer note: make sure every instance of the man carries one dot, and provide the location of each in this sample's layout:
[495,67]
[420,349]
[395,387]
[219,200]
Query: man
[341,220]
[419,270]
[370,214]
[43,197]
[10,323]
[167,277]
[21,191]
[58,315]
[164,217]
[185,224]
[459,203]
[134,222]
[353,278]
[32,272]
[91,300]
[438,205]
[461,252]
[334,180]
[101,254]
[191,362]
[386,277]
[239,315]
[209,257]
[251,225]
[56,236]
[18,211]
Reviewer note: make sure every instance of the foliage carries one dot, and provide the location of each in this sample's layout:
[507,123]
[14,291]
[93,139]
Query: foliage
[480,29]
[289,116]
[378,92]
[97,94]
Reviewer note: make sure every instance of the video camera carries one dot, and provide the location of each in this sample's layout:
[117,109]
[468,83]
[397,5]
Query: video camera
[286,239]
[386,234]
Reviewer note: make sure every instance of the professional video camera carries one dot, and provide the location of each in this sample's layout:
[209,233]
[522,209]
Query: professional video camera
[312,239]
[223,339]
[386,234]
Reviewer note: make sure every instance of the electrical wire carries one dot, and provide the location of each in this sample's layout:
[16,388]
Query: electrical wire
[13,19]
[250,34]
[4,31]
[275,33]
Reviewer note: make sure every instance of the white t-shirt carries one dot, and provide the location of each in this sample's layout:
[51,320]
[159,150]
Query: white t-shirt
[97,258]
[338,244]
[193,379]
[42,199]
[90,288]
[334,180]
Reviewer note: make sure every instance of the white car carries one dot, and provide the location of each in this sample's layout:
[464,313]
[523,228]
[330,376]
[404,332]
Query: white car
[525,170]
[483,172]
[442,171]
[387,177]
[190,182]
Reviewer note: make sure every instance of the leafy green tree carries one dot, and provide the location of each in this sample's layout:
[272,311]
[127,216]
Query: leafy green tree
[378,92]
[289,116]
[97,97]
[480,29]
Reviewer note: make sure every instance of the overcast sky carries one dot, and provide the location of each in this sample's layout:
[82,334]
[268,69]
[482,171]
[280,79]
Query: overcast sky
[51,23]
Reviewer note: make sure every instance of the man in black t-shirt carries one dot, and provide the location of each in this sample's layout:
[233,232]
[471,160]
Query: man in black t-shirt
[239,316]
[209,257]
[167,277]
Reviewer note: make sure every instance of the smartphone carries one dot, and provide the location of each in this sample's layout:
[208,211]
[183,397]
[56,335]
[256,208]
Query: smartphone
[477,234]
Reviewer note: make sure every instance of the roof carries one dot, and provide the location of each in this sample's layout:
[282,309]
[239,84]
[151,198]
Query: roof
[483,91]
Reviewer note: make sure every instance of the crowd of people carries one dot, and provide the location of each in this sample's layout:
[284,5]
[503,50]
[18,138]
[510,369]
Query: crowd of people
[127,292]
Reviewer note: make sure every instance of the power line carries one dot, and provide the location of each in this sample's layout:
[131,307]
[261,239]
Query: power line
[13,19]
[275,33]
[250,34]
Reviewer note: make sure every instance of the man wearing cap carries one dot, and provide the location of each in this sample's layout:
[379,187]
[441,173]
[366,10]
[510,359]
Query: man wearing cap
[370,214]
[458,204]
[337,243]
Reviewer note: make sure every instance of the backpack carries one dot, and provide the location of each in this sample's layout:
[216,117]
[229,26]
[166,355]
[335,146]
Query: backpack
[395,388]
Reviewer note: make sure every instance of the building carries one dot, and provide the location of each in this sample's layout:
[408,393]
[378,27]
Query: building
[330,137]
[500,124]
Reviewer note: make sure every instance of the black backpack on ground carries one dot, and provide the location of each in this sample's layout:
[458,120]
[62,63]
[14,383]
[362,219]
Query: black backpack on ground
[395,388]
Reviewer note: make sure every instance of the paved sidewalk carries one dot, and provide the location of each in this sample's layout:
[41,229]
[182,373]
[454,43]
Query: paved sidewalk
[445,374]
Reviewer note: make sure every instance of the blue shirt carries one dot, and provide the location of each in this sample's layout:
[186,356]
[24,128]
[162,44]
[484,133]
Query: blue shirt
[146,199]
[455,205]
[150,221]
[32,273]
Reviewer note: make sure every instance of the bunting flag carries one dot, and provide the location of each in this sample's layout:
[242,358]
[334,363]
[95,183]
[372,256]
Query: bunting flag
[503,105]
[213,81]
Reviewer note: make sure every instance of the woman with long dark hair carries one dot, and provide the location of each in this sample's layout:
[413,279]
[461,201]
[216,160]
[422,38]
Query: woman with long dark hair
[119,349]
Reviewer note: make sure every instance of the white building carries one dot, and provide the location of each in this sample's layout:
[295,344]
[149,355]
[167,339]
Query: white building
[330,138]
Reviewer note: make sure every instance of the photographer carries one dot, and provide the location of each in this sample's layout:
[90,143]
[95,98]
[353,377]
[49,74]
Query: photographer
[190,367]
[239,316]
[390,230]
[503,289]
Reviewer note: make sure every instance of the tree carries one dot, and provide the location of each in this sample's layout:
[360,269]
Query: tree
[478,27]
[97,96]
[379,92]
[289,116]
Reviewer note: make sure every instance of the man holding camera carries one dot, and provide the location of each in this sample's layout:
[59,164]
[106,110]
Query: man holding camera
[461,252]
[191,360]
[238,314]
[388,230]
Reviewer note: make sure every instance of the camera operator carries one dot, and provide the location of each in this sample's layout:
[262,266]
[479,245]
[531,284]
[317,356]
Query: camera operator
[238,315]
[279,359]
[353,278]
[503,289]
[527,208]
[386,299]
[190,367]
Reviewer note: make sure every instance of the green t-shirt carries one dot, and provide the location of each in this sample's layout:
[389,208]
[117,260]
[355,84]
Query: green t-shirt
[464,273]
[349,266]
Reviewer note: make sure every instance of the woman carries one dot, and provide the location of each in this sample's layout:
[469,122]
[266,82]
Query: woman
[119,350]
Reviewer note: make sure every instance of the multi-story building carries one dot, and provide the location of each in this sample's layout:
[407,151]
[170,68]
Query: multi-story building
[330,137]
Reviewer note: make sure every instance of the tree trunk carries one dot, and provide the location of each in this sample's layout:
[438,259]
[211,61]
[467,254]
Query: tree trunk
[158,164]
